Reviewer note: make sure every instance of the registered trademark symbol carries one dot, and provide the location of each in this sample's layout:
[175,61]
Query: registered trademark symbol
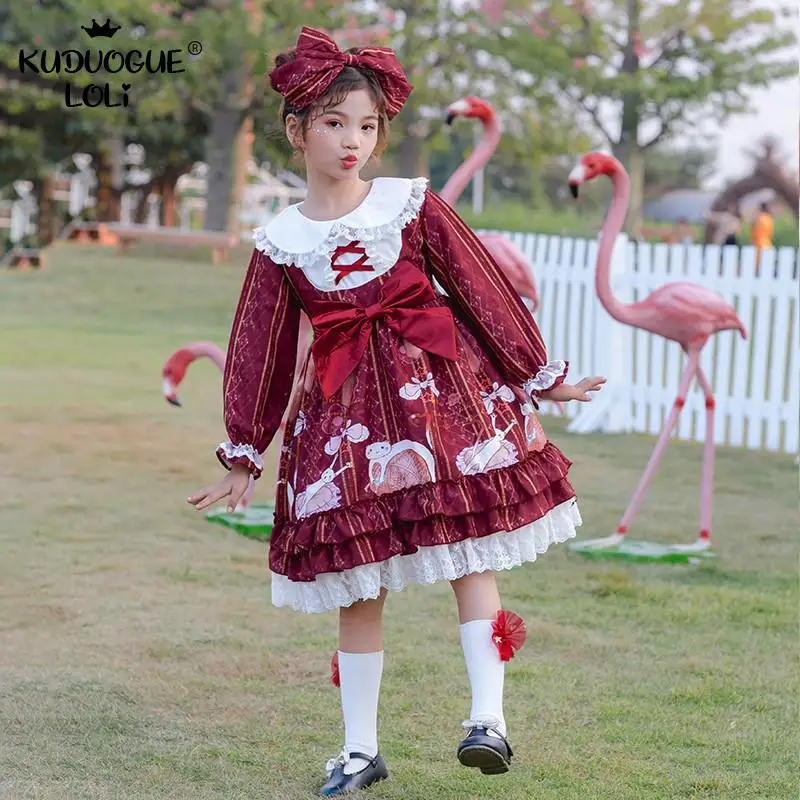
[194,47]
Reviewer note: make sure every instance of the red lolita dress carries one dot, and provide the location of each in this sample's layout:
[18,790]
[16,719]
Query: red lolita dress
[412,452]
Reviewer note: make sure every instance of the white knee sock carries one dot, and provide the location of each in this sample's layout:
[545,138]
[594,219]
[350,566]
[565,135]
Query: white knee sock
[486,671]
[360,681]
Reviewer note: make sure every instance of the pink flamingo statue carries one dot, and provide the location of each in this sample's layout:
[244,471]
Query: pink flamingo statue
[176,366]
[686,313]
[514,263]
[174,371]
[508,256]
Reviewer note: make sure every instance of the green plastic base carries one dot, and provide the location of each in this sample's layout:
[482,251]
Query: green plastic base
[254,522]
[634,550]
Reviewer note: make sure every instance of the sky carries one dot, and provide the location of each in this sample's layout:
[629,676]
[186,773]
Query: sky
[777,112]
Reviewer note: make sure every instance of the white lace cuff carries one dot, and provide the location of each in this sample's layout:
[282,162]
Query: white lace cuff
[227,452]
[546,378]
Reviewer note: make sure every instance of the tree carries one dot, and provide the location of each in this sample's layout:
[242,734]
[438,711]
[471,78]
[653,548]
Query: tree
[48,106]
[644,73]
[670,167]
[173,141]
[414,29]
[229,82]
[201,113]
[449,50]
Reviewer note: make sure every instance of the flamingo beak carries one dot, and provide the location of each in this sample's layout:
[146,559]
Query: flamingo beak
[576,178]
[170,393]
[459,108]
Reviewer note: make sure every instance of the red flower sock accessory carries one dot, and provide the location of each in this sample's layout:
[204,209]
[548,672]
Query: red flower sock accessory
[508,633]
[335,679]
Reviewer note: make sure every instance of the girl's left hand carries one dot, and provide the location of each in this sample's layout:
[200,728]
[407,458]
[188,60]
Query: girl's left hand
[580,391]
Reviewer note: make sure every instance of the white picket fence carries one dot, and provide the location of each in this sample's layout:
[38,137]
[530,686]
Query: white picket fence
[756,381]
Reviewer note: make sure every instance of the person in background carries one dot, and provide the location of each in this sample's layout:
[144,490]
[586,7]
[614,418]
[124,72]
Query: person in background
[734,229]
[729,226]
[762,231]
[683,233]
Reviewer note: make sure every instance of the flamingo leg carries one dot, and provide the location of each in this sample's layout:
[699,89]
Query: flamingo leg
[689,373]
[707,481]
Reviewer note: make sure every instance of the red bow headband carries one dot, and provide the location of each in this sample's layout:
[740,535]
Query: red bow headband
[318,61]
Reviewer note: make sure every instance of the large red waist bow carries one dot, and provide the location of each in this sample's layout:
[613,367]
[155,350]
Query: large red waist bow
[342,330]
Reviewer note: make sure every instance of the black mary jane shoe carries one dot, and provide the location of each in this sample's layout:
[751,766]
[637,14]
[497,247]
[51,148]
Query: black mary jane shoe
[339,783]
[490,754]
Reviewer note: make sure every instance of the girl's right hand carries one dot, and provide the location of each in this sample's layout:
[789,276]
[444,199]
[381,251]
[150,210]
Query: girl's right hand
[233,486]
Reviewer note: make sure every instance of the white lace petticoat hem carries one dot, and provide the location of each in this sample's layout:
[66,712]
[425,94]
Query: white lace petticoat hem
[496,551]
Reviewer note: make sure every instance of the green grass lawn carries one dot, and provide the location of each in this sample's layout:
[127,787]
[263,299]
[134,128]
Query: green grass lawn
[140,656]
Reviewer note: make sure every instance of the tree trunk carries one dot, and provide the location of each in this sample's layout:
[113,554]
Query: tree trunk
[110,179]
[243,150]
[45,224]
[632,156]
[411,155]
[224,127]
[116,153]
[168,202]
[226,122]
[629,150]
[104,176]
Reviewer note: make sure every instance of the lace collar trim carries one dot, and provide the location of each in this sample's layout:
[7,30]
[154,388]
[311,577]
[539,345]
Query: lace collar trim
[291,238]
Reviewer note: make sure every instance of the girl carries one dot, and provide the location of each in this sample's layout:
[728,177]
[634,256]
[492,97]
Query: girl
[412,452]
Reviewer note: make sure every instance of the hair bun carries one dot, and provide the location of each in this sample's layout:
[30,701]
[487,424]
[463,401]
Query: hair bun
[285,57]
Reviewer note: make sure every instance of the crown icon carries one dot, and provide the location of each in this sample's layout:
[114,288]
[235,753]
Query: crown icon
[107,30]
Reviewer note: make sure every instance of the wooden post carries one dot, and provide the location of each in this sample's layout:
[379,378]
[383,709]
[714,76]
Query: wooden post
[243,149]
[46,223]
[168,205]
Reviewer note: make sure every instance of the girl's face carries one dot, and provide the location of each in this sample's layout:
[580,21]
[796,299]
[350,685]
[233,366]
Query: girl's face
[340,141]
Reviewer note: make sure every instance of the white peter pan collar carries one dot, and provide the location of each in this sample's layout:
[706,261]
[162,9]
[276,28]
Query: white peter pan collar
[291,238]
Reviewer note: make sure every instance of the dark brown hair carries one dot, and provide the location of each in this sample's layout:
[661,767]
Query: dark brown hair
[350,79]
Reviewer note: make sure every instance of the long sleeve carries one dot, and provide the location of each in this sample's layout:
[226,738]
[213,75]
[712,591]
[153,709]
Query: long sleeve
[486,300]
[260,364]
